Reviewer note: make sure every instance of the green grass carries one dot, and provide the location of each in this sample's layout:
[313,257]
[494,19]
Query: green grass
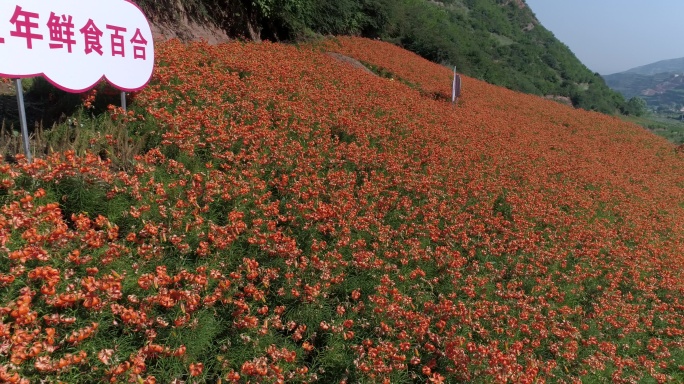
[502,40]
[669,128]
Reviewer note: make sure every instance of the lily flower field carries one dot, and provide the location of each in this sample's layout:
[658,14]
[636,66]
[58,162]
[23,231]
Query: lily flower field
[295,219]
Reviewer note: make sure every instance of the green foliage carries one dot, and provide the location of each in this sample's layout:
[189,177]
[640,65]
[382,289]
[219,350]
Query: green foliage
[669,126]
[503,207]
[635,106]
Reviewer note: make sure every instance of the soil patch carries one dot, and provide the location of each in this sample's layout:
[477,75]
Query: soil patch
[560,99]
[349,60]
[186,30]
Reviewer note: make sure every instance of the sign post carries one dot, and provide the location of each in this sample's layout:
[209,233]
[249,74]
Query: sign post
[456,87]
[22,119]
[75,44]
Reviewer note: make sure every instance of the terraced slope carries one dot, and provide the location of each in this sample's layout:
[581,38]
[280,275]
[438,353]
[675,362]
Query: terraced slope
[297,219]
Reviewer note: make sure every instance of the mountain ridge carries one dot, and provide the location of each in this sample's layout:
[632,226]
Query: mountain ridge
[662,66]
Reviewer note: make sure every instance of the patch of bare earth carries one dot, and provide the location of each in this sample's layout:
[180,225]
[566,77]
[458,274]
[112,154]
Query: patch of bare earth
[346,59]
[186,30]
[560,99]
[6,88]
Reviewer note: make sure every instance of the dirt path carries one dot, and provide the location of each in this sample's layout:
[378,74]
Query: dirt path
[349,60]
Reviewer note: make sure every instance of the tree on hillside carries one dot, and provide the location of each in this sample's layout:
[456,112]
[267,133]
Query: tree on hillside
[636,106]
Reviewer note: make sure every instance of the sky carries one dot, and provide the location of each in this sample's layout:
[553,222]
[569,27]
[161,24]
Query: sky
[611,36]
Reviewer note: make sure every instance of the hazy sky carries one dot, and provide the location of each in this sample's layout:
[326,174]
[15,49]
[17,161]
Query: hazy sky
[611,36]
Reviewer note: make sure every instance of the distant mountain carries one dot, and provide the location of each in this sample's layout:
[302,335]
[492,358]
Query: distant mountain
[661,84]
[663,66]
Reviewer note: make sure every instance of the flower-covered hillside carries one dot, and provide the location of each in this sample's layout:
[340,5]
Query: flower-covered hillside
[296,219]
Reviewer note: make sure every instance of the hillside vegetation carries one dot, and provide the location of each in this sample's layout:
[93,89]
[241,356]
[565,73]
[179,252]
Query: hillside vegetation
[499,41]
[292,218]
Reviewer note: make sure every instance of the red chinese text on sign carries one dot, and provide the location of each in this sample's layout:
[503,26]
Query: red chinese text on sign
[74,44]
[92,36]
[117,40]
[22,21]
[61,31]
[139,44]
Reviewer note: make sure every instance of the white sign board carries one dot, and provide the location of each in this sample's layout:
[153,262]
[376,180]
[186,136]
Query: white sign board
[75,43]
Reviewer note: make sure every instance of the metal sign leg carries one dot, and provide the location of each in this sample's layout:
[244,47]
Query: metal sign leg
[22,119]
[453,88]
[123,101]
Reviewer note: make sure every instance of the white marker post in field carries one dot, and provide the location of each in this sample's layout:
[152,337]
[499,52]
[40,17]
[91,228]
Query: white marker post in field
[74,44]
[456,87]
